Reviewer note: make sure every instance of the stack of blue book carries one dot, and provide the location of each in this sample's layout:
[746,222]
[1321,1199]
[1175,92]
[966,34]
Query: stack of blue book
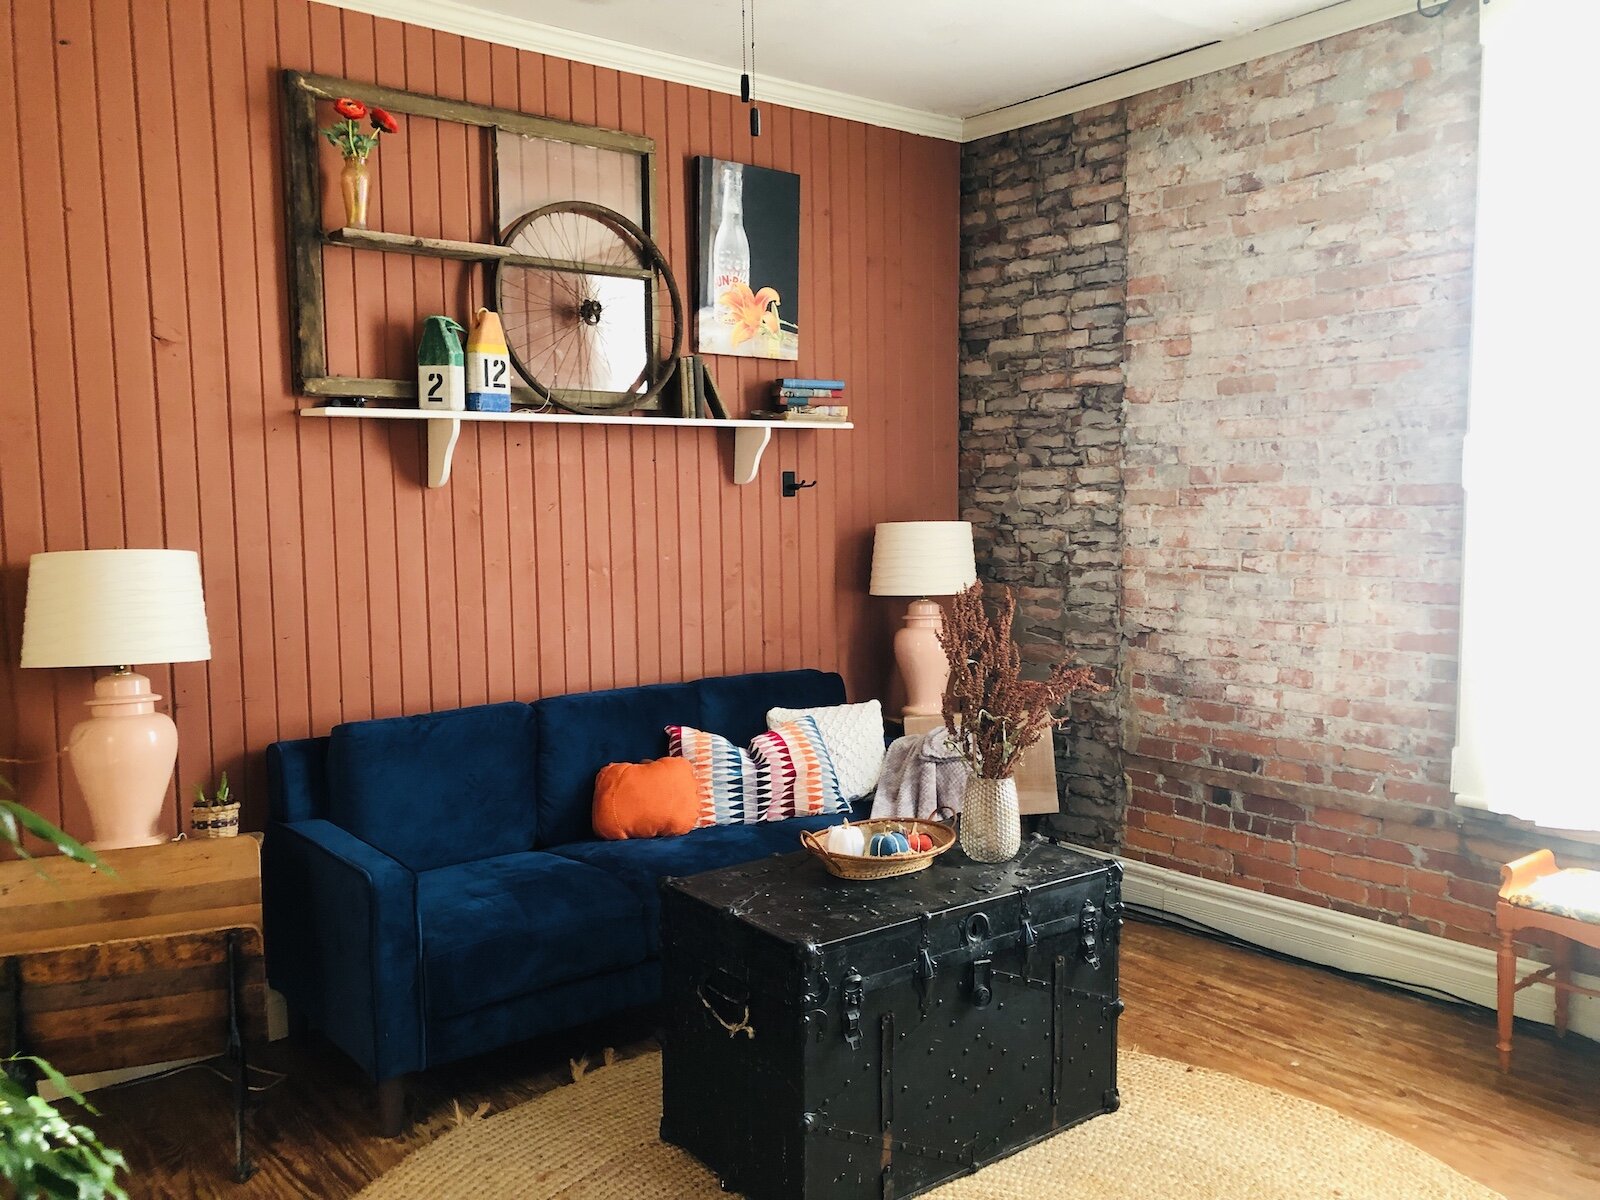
[808,400]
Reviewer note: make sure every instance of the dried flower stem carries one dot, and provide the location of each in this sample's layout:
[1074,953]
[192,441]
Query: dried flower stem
[990,710]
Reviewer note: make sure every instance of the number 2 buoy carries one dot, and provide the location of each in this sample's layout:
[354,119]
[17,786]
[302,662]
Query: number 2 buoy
[441,379]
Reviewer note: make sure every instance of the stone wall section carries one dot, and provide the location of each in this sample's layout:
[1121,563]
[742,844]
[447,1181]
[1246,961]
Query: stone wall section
[1044,262]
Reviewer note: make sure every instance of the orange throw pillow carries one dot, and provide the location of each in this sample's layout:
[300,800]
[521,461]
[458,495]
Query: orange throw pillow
[648,799]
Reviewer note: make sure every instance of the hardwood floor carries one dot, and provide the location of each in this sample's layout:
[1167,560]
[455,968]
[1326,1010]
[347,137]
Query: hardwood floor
[1419,1069]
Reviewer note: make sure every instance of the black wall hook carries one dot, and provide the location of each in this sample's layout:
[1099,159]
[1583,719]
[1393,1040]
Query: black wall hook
[792,485]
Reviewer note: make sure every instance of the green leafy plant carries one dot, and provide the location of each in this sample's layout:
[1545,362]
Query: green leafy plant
[15,820]
[43,1154]
[223,797]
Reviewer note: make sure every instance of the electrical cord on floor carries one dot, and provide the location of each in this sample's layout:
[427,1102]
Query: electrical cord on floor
[274,1077]
[1155,916]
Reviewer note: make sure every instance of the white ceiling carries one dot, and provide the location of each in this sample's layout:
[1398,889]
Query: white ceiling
[956,58]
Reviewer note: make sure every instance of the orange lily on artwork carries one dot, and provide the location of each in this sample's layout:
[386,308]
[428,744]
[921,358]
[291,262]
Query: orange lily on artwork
[754,314]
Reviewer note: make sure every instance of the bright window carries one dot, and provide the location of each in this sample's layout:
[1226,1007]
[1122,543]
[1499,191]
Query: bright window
[1530,643]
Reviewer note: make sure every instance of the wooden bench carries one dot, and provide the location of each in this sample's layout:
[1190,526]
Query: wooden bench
[1539,902]
[156,960]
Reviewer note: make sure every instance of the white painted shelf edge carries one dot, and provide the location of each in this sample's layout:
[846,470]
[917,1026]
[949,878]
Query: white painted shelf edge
[750,438]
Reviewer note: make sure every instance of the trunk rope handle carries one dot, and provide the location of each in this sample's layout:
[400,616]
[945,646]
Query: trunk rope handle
[734,1028]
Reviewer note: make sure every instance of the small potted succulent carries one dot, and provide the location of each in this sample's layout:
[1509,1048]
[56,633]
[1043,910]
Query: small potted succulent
[216,817]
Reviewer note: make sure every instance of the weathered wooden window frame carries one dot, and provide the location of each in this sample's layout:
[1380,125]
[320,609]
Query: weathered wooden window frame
[303,195]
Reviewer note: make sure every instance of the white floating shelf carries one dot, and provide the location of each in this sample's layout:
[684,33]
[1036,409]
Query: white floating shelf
[750,438]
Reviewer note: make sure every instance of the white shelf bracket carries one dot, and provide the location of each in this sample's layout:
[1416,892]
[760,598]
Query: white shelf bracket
[749,444]
[442,438]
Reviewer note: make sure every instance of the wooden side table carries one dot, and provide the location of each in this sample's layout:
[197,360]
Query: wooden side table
[157,959]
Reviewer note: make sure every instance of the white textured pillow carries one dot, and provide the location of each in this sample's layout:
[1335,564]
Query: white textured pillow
[853,734]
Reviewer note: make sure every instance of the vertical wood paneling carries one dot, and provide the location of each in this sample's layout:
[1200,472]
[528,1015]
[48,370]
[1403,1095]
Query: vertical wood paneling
[27,699]
[151,400]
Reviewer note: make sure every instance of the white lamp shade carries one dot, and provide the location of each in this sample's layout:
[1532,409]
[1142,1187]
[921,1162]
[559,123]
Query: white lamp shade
[112,608]
[922,558]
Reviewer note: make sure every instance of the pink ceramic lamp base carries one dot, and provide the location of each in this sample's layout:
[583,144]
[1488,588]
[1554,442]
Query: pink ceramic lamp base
[921,659]
[123,757]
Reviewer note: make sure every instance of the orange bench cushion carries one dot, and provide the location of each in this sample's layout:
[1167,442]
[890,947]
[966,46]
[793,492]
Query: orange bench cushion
[1574,893]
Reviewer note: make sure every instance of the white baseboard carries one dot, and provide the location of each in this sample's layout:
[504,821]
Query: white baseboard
[1336,939]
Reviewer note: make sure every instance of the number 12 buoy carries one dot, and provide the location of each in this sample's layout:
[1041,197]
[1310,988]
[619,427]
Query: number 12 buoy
[488,365]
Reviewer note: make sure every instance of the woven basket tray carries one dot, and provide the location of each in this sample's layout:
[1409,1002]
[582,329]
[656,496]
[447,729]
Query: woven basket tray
[867,866]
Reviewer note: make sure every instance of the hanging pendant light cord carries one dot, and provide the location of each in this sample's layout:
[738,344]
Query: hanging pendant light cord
[747,62]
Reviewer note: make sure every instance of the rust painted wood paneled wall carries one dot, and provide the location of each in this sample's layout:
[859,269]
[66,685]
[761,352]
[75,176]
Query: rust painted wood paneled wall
[147,401]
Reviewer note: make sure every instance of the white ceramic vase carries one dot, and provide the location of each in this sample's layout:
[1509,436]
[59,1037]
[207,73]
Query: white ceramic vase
[991,825]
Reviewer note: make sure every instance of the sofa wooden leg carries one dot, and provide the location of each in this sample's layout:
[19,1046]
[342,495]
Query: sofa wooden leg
[391,1107]
[1507,998]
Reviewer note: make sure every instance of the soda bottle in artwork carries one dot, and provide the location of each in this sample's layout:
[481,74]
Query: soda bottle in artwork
[730,248]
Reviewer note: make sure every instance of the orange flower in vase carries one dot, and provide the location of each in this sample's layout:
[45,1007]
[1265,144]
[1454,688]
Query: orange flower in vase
[752,314]
[355,181]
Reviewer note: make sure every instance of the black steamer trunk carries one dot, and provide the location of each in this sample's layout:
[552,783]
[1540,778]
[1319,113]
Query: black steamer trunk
[840,1039]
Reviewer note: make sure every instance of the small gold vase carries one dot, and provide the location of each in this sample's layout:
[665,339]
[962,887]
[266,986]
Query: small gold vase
[355,184]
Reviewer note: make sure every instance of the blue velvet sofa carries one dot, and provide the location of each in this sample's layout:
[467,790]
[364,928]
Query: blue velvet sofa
[433,888]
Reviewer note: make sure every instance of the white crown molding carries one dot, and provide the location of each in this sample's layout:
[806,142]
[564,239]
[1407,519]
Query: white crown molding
[454,16]
[1285,35]
[1336,939]
[466,20]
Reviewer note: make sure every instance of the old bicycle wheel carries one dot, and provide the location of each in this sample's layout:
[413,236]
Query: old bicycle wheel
[592,314]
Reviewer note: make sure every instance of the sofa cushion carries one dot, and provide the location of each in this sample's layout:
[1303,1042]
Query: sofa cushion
[735,706]
[437,789]
[516,924]
[853,734]
[801,778]
[649,799]
[783,837]
[641,865]
[581,733]
[731,788]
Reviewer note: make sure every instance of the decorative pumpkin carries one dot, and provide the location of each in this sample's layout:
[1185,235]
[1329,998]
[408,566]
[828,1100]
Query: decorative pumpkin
[920,842]
[884,845]
[846,839]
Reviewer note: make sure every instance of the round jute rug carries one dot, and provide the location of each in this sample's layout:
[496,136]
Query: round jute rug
[1182,1133]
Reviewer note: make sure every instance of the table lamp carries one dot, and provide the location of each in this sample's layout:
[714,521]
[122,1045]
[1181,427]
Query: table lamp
[922,559]
[115,608]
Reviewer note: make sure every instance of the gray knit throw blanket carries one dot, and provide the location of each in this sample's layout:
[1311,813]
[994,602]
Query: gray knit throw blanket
[923,776]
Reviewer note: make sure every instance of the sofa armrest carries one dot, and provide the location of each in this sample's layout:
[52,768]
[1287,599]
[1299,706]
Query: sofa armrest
[343,943]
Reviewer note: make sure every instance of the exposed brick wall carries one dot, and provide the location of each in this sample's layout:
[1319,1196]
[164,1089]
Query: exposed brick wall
[1044,262]
[1300,240]
[1285,539]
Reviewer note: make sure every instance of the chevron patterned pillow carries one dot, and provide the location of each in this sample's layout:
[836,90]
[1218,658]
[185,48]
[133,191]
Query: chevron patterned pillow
[733,788]
[802,778]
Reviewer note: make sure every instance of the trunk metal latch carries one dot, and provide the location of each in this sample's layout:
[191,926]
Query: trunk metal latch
[1089,934]
[982,987]
[853,996]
